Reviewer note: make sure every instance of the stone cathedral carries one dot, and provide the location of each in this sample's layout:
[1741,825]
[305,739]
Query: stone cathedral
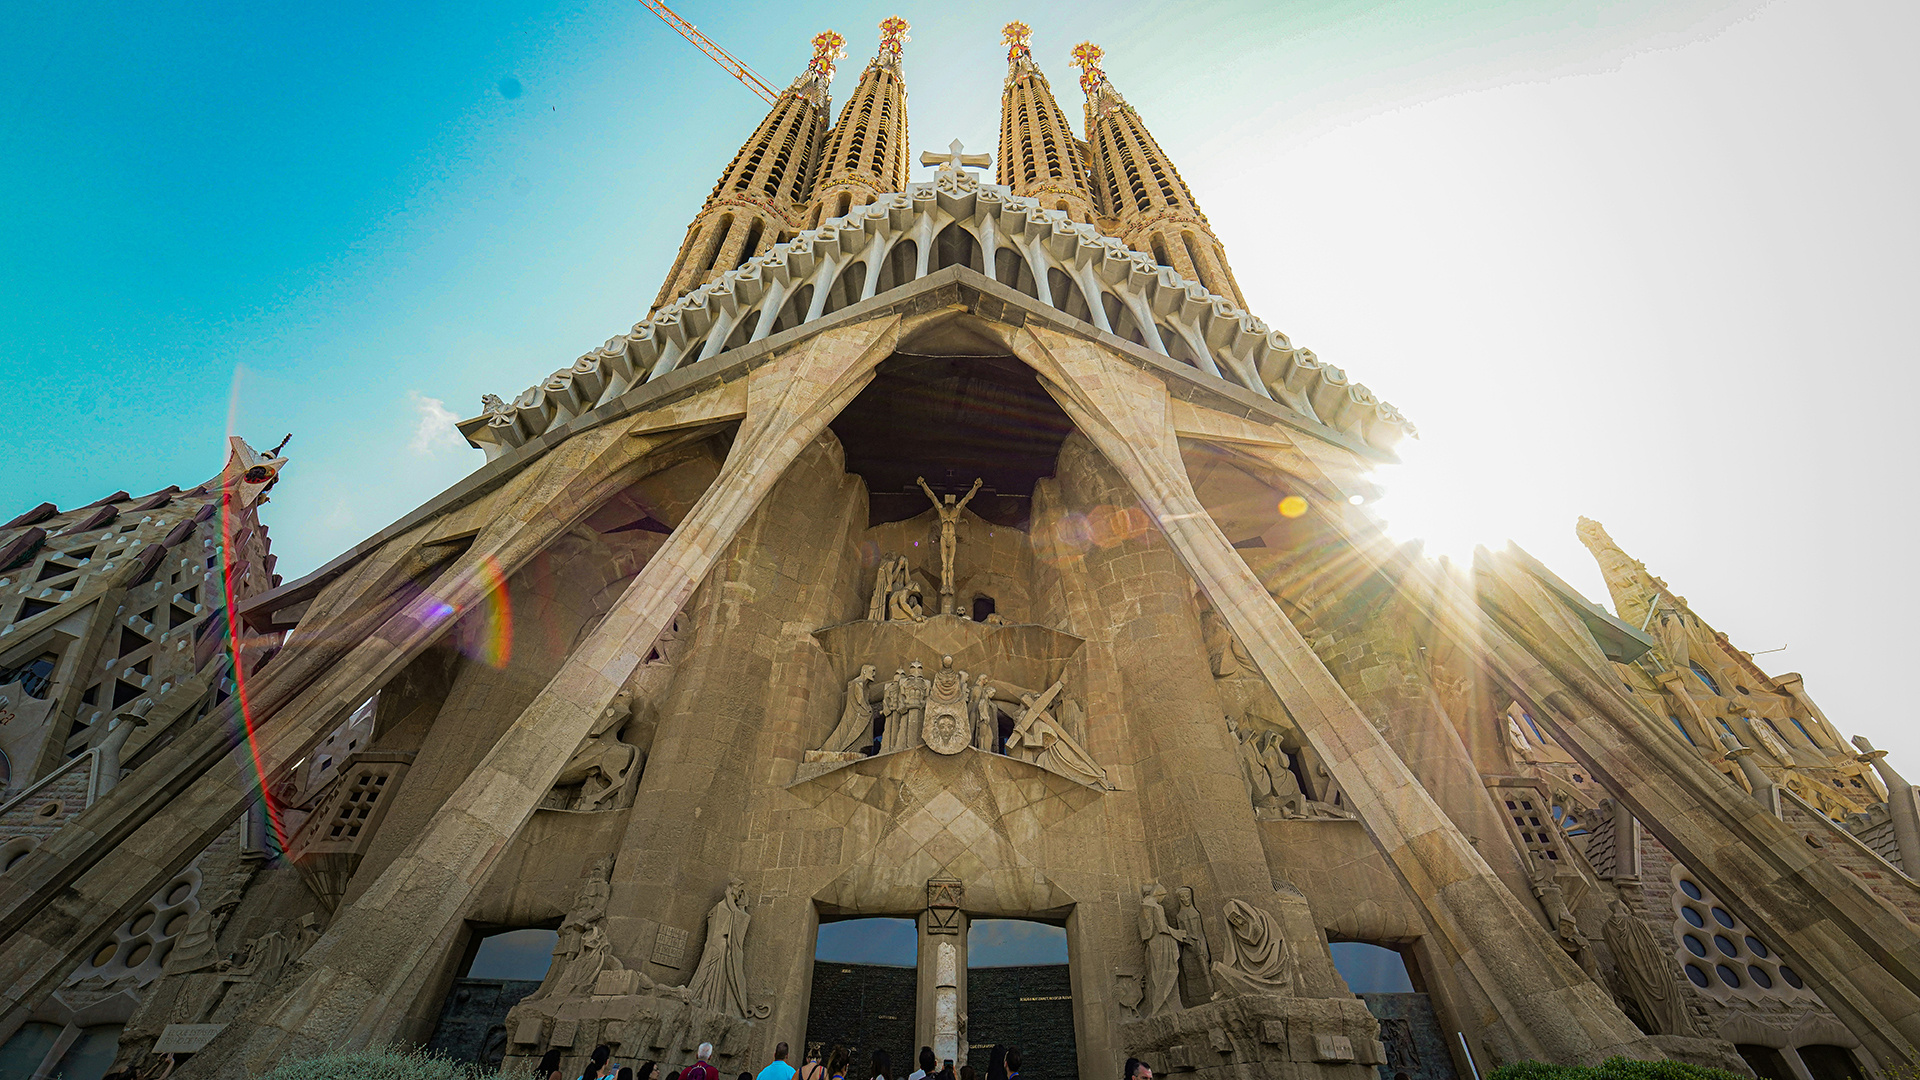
[937,550]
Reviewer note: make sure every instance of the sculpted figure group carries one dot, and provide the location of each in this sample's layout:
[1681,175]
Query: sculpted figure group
[952,710]
[1181,970]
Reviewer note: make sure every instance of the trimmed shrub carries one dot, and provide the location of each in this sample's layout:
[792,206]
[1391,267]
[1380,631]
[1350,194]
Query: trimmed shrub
[1614,1068]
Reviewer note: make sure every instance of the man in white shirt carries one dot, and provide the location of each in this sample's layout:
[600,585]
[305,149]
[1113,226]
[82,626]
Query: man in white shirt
[926,1065]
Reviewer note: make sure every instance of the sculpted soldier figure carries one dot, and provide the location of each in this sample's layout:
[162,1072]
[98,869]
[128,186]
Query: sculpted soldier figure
[913,705]
[890,736]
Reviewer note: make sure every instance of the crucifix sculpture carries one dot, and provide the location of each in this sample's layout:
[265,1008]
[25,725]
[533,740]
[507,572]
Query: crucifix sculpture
[949,512]
[954,161]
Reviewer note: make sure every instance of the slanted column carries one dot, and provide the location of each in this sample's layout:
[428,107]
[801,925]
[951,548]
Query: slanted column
[1901,806]
[1531,999]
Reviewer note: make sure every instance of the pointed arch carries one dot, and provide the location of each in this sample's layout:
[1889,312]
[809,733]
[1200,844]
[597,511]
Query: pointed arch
[1067,295]
[955,246]
[795,309]
[898,270]
[846,287]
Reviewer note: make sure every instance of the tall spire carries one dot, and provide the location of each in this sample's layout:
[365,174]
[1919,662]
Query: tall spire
[866,155]
[1038,154]
[1136,185]
[761,198]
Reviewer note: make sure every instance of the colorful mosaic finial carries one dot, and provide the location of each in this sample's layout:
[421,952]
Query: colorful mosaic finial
[893,33]
[1015,36]
[1086,57]
[827,48]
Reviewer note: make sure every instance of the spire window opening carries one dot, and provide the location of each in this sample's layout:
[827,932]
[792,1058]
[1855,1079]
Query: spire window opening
[719,236]
[1159,247]
[1202,267]
[751,247]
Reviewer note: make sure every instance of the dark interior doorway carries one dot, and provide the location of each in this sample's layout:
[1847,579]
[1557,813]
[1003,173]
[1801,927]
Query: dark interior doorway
[864,984]
[1020,995]
[501,968]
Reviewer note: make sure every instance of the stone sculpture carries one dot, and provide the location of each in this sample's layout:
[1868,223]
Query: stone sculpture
[581,924]
[1163,953]
[856,715]
[986,724]
[905,605]
[1645,972]
[603,762]
[1256,959]
[119,730]
[198,946]
[720,982]
[1196,960]
[1038,738]
[890,578]
[947,728]
[949,512]
[890,707]
[1285,786]
[914,686]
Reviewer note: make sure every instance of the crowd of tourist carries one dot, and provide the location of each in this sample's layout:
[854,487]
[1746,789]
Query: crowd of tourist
[1002,1064]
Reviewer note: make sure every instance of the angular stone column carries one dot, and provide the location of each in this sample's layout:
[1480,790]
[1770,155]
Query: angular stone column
[941,1000]
[354,986]
[1537,1002]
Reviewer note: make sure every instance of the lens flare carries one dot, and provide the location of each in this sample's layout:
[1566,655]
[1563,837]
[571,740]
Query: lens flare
[1292,506]
[487,634]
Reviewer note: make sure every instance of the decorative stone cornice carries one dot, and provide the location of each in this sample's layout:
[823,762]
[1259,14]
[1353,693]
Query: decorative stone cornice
[1155,307]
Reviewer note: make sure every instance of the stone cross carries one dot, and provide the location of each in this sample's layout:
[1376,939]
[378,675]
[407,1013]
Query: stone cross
[954,160]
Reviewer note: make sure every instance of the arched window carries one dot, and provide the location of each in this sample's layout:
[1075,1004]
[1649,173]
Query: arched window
[1704,677]
[1682,729]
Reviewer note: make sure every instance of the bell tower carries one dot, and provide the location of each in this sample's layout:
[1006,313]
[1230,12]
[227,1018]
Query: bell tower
[760,198]
[1139,189]
[1038,154]
[866,154]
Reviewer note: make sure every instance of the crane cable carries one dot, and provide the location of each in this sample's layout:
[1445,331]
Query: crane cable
[720,56]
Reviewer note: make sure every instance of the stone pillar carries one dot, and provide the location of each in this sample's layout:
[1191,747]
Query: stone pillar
[1901,806]
[942,990]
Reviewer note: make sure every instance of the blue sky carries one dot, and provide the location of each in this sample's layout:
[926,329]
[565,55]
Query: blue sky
[1640,260]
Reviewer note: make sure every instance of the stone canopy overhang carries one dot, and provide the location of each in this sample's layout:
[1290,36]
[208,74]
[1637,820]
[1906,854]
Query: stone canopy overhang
[989,310]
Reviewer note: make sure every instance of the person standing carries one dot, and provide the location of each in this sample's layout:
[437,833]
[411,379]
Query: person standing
[882,1066]
[1136,1070]
[702,1069]
[777,1069]
[813,1070]
[1013,1063]
[997,1063]
[926,1065]
[838,1059]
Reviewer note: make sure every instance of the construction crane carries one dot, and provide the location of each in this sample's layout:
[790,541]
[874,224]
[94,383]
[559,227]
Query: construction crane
[720,56]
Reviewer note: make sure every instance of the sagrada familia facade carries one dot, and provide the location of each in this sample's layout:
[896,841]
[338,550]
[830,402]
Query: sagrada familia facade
[944,550]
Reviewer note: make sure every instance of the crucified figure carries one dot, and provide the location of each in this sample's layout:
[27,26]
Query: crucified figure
[949,512]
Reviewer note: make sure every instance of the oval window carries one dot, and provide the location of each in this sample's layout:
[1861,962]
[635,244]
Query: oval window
[1792,979]
[1695,945]
[140,924]
[1688,887]
[1720,916]
[1759,975]
[185,889]
[105,954]
[176,925]
[1720,942]
[1756,948]
[1698,977]
[139,954]
[1692,915]
[1727,975]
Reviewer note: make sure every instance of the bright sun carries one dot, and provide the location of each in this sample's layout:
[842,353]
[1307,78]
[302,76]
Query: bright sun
[1436,499]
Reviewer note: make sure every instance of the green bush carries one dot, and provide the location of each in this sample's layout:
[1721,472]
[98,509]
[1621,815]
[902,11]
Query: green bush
[383,1065]
[1614,1068]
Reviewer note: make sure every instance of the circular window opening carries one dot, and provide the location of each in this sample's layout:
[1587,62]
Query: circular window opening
[185,889]
[1720,916]
[139,954]
[1688,887]
[1698,977]
[104,956]
[1759,975]
[1695,945]
[140,924]
[1720,942]
[1755,947]
[1727,975]
[1692,915]
[1792,979]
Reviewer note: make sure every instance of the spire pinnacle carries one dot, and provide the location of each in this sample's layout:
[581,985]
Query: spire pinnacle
[1086,57]
[893,34]
[828,46]
[1015,36]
